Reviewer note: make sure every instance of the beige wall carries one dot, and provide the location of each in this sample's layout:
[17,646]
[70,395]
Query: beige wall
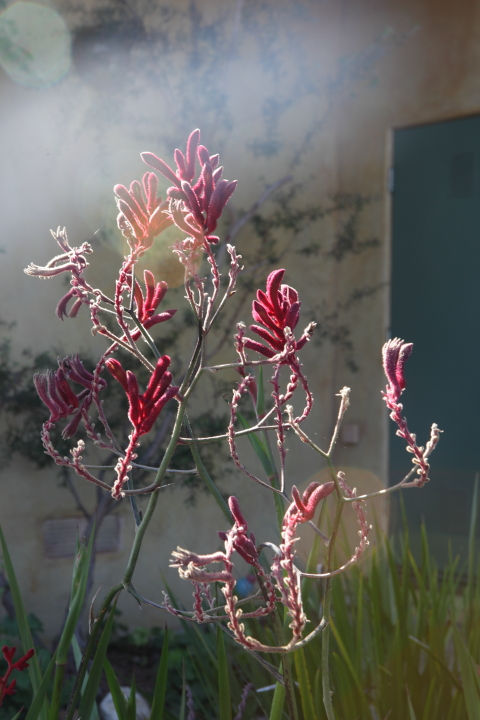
[392,64]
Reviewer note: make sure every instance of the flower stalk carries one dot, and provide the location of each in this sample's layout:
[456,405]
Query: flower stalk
[194,206]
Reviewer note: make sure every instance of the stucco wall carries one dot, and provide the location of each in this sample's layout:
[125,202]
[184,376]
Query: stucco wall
[344,74]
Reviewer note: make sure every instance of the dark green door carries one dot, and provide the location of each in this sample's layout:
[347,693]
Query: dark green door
[436,305]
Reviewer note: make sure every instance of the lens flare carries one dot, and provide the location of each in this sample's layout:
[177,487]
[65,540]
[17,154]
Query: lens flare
[35,44]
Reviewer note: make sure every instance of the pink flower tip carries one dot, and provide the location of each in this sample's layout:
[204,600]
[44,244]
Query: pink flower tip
[395,353]
[307,504]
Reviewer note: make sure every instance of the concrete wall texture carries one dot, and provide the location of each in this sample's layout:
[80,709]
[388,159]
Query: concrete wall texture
[311,90]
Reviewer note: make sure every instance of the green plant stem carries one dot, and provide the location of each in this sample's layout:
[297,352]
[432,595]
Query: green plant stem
[286,664]
[57,689]
[274,482]
[202,471]
[146,336]
[137,543]
[89,648]
[327,602]
[286,661]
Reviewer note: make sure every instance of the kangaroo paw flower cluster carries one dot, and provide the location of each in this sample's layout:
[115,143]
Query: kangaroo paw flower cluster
[77,398]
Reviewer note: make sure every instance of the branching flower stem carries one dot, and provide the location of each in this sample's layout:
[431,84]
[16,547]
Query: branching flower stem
[137,544]
[195,207]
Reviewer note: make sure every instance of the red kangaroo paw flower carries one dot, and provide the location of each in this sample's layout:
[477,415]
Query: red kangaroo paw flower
[115,368]
[160,165]
[242,542]
[145,409]
[141,217]
[276,310]
[148,303]
[192,144]
[395,353]
[55,392]
[204,200]
[307,504]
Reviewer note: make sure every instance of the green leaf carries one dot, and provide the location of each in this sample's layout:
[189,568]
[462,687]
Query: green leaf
[183,703]
[471,537]
[224,700]
[118,697]
[77,654]
[132,701]
[88,700]
[278,701]
[15,717]
[410,708]
[346,659]
[79,586]
[469,675]
[306,696]
[258,446]
[161,682]
[202,471]
[23,627]
[41,693]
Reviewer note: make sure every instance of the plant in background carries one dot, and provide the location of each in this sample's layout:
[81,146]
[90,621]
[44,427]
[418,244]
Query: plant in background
[72,393]
[8,688]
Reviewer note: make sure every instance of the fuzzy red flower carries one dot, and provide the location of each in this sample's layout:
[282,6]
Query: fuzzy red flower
[276,309]
[395,353]
[148,303]
[206,199]
[144,409]
[55,392]
[141,215]
[243,542]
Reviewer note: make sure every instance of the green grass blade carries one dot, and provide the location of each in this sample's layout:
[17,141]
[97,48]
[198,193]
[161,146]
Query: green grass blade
[40,695]
[118,697]
[224,700]
[15,717]
[471,537]
[411,711]
[183,703]
[79,587]
[258,446]
[202,471]
[469,675]
[161,682]
[77,654]
[278,701]
[346,659]
[132,701]
[306,695]
[23,627]
[88,699]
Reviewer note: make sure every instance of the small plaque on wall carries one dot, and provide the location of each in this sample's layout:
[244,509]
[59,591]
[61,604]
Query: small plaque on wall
[60,536]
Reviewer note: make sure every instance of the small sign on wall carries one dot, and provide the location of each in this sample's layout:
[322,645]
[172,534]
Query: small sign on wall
[60,536]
